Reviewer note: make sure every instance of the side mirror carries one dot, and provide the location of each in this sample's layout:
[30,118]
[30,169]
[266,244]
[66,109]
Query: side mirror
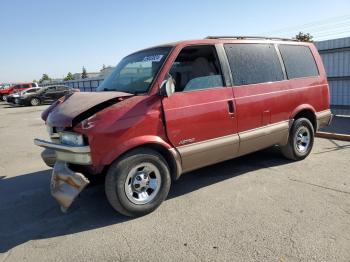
[168,86]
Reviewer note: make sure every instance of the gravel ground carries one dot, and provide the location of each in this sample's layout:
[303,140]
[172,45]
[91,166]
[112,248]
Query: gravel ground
[255,208]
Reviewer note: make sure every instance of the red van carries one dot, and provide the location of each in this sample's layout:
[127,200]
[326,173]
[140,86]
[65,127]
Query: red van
[173,108]
[4,93]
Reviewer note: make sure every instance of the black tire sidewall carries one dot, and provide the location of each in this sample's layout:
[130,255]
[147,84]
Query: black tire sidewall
[116,177]
[296,125]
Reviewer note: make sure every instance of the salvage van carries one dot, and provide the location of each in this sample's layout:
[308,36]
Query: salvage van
[170,109]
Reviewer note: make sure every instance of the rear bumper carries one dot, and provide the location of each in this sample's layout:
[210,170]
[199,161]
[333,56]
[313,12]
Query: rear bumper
[324,118]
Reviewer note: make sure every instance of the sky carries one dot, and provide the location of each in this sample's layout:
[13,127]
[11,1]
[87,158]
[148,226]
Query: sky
[57,37]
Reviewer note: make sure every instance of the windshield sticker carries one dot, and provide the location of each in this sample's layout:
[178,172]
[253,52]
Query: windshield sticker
[153,58]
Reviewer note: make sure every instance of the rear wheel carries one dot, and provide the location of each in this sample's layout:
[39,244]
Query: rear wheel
[300,141]
[4,97]
[138,183]
[34,101]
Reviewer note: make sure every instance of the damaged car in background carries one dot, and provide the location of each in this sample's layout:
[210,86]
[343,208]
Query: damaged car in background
[167,110]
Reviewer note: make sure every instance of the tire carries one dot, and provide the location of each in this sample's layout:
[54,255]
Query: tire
[300,141]
[35,101]
[4,98]
[126,185]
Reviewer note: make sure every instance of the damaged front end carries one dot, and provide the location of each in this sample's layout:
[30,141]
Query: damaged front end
[65,183]
[68,148]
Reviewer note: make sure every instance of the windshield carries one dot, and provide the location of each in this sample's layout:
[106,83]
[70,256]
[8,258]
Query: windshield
[136,72]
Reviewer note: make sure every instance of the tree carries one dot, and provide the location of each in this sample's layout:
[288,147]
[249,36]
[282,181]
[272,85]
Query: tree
[84,73]
[45,77]
[69,77]
[103,67]
[301,37]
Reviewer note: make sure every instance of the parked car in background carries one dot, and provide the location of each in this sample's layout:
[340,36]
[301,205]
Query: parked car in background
[4,86]
[171,109]
[13,98]
[14,89]
[45,95]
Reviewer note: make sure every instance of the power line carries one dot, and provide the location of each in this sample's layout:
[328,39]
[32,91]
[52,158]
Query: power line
[312,24]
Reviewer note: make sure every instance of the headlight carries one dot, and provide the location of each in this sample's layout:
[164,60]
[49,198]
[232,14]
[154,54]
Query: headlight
[71,139]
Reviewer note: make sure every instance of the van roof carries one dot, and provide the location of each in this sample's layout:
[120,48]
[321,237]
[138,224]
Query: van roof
[214,39]
[210,40]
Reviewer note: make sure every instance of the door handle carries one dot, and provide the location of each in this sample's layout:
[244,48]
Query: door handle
[231,108]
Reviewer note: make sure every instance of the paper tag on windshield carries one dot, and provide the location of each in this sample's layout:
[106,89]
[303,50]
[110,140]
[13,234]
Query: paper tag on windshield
[153,58]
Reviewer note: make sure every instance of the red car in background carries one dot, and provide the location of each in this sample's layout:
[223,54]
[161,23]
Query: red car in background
[14,89]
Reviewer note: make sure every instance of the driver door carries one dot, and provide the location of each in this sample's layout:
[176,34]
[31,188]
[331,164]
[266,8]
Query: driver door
[49,95]
[200,117]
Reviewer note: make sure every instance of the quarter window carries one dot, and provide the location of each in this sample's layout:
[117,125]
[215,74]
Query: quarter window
[253,63]
[196,68]
[298,61]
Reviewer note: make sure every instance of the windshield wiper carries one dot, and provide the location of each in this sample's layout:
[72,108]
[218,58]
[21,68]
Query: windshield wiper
[136,92]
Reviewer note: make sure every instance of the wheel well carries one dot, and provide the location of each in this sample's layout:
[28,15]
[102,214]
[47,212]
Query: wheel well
[167,156]
[164,152]
[308,114]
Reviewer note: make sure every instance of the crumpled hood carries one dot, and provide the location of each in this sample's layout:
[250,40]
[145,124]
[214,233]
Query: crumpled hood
[62,114]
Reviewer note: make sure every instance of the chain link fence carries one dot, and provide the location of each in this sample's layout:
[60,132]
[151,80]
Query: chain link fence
[84,85]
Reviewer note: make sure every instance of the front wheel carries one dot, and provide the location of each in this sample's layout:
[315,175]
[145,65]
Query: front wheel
[4,97]
[34,101]
[138,183]
[300,141]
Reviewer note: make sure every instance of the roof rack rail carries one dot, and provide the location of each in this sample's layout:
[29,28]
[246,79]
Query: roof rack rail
[250,37]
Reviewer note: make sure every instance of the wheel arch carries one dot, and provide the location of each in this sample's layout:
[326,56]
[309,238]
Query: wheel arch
[157,144]
[305,111]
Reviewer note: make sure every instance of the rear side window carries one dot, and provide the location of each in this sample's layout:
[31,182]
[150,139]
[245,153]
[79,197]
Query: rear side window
[298,61]
[254,63]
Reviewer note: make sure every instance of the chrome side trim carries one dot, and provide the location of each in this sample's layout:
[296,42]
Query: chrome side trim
[323,118]
[262,137]
[208,152]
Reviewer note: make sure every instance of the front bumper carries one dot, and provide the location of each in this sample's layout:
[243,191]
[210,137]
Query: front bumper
[71,154]
[21,101]
[65,183]
[10,100]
